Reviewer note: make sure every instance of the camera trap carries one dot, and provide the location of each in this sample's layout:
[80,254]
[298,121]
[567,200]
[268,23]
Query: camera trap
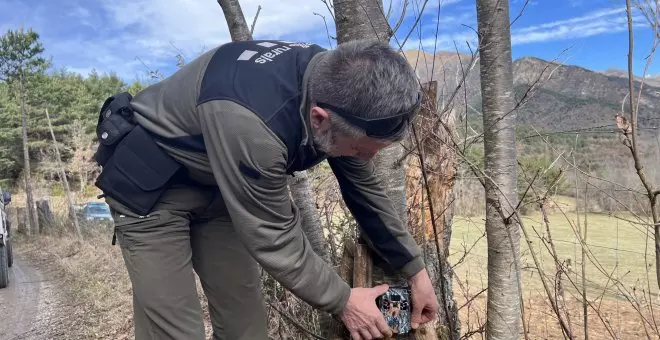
[396,307]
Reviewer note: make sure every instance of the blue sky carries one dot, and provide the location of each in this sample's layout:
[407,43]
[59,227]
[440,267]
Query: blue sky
[130,37]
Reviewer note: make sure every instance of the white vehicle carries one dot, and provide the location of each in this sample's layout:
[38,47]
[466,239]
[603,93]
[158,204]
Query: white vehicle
[6,257]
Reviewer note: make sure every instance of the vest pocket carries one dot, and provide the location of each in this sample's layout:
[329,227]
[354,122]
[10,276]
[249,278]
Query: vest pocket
[138,171]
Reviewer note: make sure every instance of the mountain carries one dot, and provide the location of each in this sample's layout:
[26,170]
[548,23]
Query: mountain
[572,97]
[649,80]
[562,97]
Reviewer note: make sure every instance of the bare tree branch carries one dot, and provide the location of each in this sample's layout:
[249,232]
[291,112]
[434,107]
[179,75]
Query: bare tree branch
[238,28]
[255,20]
[327,31]
[330,8]
[651,192]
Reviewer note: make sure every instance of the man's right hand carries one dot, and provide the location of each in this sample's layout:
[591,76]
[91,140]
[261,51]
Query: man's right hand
[362,317]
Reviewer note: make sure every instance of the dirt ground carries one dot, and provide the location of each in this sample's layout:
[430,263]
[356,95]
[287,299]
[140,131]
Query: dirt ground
[32,305]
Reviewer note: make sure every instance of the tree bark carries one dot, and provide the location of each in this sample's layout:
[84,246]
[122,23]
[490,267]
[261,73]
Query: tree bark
[45,215]
[65,182]
[362,267]
[337,331]
[21,220]
[361,19]
[430,197]
[303,196]
[502,230]
[32,219]
[238,28]
[364,19]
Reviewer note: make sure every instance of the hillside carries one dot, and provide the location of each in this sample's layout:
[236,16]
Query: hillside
[564,97]
[571,97]
[571,107]
[650,80]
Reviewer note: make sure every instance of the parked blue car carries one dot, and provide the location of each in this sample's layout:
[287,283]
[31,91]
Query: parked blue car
[97,212]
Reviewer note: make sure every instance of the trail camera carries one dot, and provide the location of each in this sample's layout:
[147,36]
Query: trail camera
[396,306]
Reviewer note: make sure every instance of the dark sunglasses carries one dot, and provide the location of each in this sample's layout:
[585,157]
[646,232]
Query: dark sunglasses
[376,127]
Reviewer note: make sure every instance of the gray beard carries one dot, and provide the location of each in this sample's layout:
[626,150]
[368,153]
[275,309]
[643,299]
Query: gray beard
[326,143]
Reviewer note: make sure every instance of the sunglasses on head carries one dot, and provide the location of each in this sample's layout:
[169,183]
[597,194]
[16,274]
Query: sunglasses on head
[376,127]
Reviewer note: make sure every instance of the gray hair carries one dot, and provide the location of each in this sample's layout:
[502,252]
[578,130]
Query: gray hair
[366,77]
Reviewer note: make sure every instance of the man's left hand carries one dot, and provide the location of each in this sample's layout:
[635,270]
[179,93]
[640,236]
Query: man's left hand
[424,300]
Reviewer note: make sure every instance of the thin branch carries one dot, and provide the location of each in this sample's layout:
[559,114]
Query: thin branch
[473,298]
[327,31]
[565,329]
[419,17]
[584,266]
[329,6]
[519,14]
[254,22]
[295,323]
[651,193]
[401,19]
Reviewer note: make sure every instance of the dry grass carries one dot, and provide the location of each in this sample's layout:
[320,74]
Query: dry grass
[542,323]
[618,249]
[94,281]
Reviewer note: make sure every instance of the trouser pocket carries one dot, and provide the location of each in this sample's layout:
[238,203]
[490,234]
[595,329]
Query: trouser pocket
[157,254]
[138,172]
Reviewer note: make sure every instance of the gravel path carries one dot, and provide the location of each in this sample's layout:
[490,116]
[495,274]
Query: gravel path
[29,306]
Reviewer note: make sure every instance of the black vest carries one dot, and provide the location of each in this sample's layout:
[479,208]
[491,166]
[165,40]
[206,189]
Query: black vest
[266,77]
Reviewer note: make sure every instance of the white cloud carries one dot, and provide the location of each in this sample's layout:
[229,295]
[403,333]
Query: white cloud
[595,23]
[445,42]
[119,35]
[152,27]
[467,18]
[192,22]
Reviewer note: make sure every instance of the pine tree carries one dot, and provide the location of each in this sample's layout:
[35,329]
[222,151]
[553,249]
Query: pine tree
[20,62]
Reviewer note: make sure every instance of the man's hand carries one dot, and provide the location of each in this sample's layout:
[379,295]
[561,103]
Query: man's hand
[361,315]
[424,301]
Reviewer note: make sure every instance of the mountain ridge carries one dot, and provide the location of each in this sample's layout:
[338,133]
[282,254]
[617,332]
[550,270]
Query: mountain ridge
[563,96]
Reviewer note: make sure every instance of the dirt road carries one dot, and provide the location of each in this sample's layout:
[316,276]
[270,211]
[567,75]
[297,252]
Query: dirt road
[27,305]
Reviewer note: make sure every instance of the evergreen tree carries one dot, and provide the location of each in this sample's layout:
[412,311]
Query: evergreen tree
[21,62]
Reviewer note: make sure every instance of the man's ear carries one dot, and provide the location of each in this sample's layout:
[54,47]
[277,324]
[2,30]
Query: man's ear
[319,119]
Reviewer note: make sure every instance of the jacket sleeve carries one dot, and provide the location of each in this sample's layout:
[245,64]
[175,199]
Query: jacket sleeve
[366,198]
[248,163]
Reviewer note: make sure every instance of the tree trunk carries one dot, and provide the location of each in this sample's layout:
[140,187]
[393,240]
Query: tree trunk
[361,19]
[72,211]
[45,215]
[238,28]
[364,19]
[430,196]
[502,230]
[21,220]
[32,220]
[303,195]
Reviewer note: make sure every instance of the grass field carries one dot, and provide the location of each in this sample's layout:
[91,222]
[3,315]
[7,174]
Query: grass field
[617,251]
[616,248]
